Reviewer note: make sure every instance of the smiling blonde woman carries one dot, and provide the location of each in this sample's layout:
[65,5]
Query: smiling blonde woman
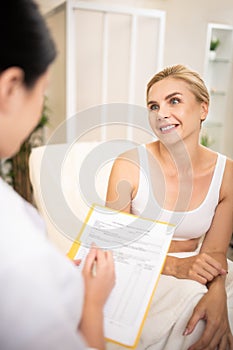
[176,179]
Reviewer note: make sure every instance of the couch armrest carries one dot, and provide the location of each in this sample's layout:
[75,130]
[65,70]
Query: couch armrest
[69,183]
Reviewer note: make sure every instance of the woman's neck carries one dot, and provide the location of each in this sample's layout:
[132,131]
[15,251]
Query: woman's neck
[180,157]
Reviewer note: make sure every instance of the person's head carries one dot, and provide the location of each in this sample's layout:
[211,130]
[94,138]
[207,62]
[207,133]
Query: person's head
[190,77]
[178,100]
[27,50]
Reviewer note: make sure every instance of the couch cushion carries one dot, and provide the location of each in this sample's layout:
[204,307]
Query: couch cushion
[73,192]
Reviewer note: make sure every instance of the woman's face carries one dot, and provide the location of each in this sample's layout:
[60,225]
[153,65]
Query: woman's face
[174,112]
[20,109]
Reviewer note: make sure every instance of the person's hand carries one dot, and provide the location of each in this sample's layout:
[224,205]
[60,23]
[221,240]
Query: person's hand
[213,309]
[202,268]
[99,276]
[77,262]
[99,279]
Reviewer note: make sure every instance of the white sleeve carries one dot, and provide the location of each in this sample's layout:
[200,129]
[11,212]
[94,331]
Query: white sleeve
[41,290]
[39,309]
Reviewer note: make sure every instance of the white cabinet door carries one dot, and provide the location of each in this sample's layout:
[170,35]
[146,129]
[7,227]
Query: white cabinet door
[217,76]
[112,52]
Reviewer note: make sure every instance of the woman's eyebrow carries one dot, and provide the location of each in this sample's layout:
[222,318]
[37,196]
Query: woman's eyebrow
[151,102]
[166,98]
[172,94]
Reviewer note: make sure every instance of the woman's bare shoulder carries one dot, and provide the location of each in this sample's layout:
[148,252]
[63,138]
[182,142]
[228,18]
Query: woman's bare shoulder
[129,154]
[229,163]
[125,168]
[152,147]
[227,187]
[229,171]
[126,162]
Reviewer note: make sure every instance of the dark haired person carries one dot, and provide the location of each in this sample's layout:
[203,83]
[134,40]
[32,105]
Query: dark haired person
[45,302]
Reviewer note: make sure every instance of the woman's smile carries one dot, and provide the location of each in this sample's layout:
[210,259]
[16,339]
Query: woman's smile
[165,129]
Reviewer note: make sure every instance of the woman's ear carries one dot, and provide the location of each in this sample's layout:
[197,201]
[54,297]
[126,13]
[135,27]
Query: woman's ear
[11,80]
[204,111]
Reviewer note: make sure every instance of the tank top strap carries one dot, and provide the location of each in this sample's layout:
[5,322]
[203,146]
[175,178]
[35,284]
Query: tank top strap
[143,158]
[144,162]
[145,171]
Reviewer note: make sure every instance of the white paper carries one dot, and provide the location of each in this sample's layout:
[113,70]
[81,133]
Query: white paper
[139,248]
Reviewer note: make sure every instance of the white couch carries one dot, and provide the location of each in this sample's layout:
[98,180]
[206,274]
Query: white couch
[42,169]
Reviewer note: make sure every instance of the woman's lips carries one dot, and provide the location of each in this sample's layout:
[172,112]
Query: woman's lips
[168,128]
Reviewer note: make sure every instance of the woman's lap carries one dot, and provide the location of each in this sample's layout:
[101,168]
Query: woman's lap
[170,310]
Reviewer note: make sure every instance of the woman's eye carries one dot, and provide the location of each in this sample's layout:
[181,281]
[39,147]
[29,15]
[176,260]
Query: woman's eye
[154,107]
[175,101]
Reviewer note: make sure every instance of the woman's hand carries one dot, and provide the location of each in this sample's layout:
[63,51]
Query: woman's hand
[202,268]
[99,276]
[99,279]
[213,309]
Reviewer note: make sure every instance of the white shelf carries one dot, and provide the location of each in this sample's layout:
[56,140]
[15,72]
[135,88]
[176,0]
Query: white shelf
[217,78]
[219,60]
[217,92]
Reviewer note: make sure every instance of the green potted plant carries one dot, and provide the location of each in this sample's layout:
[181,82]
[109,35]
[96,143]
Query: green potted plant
[205,139]
[214,44]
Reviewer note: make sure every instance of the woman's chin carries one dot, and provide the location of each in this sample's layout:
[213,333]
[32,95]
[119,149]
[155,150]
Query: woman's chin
[10,151]
[170,139]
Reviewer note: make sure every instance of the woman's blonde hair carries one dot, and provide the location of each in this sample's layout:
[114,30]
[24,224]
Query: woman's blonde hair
[192,78]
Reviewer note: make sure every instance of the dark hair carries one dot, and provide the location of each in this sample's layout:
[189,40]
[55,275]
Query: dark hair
[25,40]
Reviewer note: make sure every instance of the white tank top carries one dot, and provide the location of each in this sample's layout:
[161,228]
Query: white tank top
[189,224]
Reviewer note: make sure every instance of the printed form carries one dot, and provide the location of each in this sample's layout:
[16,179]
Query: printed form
[139,249]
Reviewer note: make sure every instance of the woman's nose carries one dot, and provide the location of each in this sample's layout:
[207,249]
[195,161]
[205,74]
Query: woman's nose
[163,113]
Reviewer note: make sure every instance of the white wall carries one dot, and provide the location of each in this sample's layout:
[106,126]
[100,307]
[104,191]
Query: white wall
[57,90]
[185,40]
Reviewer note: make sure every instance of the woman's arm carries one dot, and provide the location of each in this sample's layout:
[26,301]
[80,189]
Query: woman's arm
[202,268]
[217,239]
[212,308]
[211,261]
[217,333]
[123,182]
[97,289]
